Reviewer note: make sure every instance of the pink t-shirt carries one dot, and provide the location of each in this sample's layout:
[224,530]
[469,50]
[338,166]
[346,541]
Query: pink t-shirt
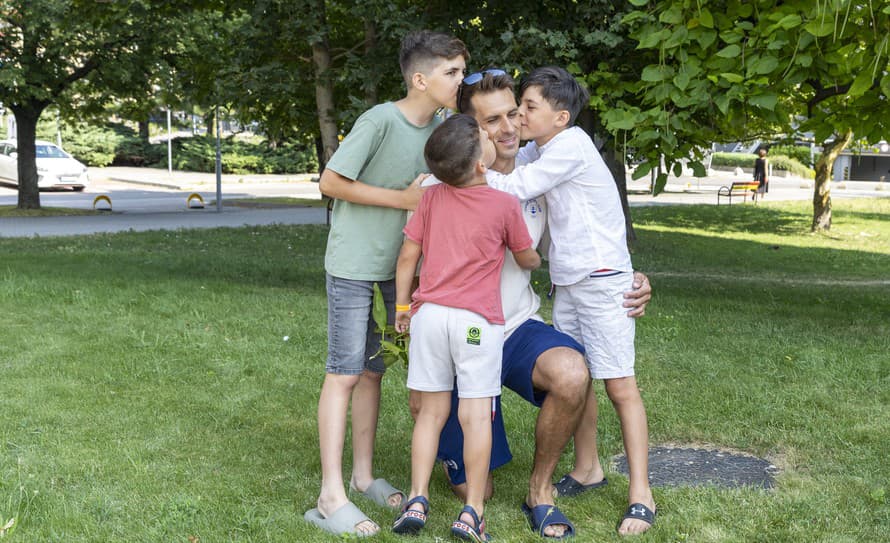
[463,233]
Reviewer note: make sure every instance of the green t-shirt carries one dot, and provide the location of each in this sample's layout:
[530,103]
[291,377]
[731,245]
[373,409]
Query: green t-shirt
[385,150]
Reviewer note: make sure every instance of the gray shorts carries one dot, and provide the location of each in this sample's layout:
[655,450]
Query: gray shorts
[352,340]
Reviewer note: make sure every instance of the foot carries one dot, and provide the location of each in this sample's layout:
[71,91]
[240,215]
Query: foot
[393,500]
[555,531]
[328,508]
[632,525]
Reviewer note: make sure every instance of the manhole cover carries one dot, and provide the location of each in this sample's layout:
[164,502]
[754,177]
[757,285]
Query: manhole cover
[677,466]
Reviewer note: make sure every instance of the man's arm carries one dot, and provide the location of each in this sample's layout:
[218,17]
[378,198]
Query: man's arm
[639,297]
[407,264]
[333,185]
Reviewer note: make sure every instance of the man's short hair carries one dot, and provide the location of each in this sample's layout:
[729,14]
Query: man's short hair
[422,49]
[453,148]
[489,83]
[559,88]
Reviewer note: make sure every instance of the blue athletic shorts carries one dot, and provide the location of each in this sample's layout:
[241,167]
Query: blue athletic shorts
[521,352]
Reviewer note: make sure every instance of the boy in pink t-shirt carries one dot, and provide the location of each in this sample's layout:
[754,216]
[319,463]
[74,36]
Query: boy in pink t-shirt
[462,228]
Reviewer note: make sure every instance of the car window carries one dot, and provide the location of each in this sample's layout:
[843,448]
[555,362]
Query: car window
[50,151]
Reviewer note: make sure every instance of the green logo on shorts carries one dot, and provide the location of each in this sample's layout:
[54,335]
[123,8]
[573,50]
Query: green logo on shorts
[474,335]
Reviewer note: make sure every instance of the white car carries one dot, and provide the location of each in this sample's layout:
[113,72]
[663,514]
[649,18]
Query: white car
[55,167]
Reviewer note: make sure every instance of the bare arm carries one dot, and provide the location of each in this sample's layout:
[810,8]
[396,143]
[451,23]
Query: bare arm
[528,259]
[639,297]
[334,185]
[405,268]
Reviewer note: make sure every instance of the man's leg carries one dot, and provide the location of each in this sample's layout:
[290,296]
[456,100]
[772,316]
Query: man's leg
[625,396]
[562,373]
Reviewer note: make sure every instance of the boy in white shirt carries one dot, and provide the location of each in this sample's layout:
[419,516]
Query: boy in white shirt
[589,263]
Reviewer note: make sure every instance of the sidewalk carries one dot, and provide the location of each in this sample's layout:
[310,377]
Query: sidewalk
[679,191]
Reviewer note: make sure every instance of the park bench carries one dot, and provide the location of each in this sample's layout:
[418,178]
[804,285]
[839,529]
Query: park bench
[738,188]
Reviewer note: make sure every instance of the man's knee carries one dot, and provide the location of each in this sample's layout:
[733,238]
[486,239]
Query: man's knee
[562,372]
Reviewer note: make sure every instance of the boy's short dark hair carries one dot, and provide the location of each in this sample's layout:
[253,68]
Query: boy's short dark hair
[559,88]
[422,49]
[488,83]
[453,148]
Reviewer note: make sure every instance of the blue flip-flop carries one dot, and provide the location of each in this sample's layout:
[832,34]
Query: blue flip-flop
[568,486]
[541,516]
[640,512]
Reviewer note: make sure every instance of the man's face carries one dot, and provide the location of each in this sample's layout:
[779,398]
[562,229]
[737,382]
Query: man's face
[489,153]
[498,115]
[443,80]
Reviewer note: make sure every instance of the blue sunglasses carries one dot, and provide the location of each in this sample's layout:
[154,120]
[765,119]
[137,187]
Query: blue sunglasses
[474,78]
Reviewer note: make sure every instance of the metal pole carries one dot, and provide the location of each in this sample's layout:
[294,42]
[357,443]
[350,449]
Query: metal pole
[218,166]
[169,144]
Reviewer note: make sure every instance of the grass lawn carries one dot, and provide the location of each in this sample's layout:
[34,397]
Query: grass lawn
[162,386]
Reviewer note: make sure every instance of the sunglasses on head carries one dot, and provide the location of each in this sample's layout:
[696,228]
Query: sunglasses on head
[474,78]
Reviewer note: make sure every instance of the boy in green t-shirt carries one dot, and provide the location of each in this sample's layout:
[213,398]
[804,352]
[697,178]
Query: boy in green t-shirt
[370,177]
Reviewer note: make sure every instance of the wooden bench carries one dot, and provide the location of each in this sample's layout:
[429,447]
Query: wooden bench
[738,188]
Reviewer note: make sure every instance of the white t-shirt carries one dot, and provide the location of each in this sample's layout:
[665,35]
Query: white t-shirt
[587,229]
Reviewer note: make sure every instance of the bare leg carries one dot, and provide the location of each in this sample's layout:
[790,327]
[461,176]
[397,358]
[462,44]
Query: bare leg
[588,469]
[431,417]
[563,374]
[333,404]
[365,410]
[628,404]
[475,421]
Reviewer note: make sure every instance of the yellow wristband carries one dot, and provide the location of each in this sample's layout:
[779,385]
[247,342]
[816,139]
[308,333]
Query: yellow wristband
[403,307]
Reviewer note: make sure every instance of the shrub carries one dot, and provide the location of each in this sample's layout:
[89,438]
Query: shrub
[238,156]
[797,152]
[779,162]
[119,145]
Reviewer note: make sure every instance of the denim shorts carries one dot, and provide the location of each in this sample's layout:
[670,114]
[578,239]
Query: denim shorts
[352,340]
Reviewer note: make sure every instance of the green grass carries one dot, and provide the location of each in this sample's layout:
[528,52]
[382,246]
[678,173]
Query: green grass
[147,393]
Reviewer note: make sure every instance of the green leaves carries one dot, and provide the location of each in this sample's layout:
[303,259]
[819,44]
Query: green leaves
[393,345]
[730,51]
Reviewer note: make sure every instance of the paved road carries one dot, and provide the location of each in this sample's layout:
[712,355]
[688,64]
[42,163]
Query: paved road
[150,199]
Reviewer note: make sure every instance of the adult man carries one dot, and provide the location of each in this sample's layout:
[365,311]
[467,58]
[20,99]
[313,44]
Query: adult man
[540,364]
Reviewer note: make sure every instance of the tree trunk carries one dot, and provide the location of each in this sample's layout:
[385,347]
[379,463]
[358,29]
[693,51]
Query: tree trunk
[143,131]
[324,90]
[615,162]
[370,46]
[26,133]
[822,188]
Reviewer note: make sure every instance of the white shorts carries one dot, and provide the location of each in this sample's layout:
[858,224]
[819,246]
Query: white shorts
[591,312]
[448,342]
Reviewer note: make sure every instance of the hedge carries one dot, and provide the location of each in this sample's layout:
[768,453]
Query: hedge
[119,145]
[746,160]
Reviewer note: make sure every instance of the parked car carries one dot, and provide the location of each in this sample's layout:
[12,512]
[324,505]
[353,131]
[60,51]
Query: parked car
[55,167]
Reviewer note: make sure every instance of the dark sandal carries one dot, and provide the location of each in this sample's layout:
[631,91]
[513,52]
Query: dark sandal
[568,486]
[541,516]
[412,521]
[638,511]
[476,533]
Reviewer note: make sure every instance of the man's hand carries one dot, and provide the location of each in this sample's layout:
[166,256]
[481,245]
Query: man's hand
[639,297]
[412,194]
